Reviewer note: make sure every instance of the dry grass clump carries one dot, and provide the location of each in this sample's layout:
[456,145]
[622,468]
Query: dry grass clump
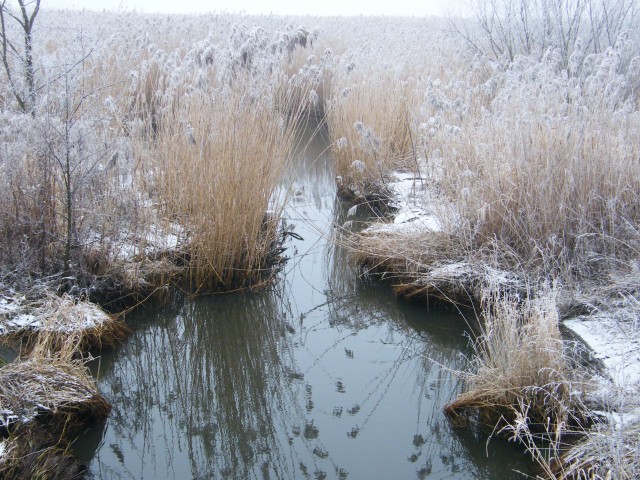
[433,265]
[370,125]
[58,323]
[403,258]
[49,389]
[33,453]
[605,452]
[219,165]
[45,401]
[521,371]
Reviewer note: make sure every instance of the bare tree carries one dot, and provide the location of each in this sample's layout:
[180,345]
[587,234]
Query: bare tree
[511,27]
[70,129]
[11,53]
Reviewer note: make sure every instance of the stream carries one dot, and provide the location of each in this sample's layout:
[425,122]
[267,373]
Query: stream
[324,374]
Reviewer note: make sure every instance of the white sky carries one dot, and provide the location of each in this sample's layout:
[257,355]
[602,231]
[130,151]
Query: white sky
[283,7]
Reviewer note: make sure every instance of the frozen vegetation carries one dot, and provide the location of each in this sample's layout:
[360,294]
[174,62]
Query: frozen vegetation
[139,151]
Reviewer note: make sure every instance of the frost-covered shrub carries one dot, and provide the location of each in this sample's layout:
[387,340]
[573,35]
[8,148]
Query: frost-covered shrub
[505,29]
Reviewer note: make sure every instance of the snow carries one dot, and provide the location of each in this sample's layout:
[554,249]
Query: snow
[8,417]
[410,196]
[62,315]
[612,336]
[157,239]
[9,305]
[21,322]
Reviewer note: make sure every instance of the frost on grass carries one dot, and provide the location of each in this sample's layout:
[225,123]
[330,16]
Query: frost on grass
[44,386]
[60,317]
[410,201]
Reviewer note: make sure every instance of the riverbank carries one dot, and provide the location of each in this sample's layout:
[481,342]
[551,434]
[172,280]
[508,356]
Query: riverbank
[47,395]
[523,373]
[157,157]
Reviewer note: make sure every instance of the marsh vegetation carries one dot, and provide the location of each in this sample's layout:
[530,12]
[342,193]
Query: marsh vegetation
[145,153]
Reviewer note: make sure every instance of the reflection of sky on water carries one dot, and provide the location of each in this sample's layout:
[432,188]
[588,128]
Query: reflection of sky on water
[323,375]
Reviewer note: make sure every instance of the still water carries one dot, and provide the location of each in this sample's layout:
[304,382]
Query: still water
[322,375]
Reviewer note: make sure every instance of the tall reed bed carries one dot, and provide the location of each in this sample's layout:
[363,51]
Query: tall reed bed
[219,163]
[531,160]
[371,126]
[164,130]
[551,169]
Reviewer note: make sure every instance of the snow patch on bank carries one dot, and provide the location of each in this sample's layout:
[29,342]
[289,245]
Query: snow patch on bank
[157,240]
[56,314]
[411,201]
[10,305]
[613,336]
[9,418]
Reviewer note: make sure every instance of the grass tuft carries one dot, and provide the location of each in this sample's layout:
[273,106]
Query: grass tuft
[520,369]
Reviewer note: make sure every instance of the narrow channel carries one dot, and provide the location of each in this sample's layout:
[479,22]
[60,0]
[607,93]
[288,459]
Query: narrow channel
[322,375]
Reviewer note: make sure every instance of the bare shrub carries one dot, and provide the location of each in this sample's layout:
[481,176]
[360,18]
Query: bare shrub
[530,27]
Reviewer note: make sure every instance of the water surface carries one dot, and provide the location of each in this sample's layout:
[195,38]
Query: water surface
[322,375]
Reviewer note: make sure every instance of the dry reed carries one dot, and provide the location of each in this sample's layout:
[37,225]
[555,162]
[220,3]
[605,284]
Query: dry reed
[611,451]
[434,265]
[371,129]
[558,192]
[45,402]
[50,389]
[33,453]
[54,324]
[219,165]
[520,368]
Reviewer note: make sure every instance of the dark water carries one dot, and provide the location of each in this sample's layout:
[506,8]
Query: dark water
[322,375]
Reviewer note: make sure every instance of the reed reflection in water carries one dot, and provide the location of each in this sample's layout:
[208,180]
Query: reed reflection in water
[204,392]
[322,375]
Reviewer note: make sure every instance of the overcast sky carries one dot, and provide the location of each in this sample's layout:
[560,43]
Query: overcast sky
[284,7]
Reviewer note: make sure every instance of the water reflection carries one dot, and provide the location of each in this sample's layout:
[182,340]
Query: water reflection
[323,375]
[208,388]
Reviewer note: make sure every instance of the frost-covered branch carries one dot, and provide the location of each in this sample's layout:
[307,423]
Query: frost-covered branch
[26,100]
[504,27]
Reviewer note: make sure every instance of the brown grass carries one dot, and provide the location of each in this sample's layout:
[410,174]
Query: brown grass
[370,123]
[46,401]
[219,163]
[435,265]
[32,453]
[605,452]
[520,368]
[53,390]
[65,324]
